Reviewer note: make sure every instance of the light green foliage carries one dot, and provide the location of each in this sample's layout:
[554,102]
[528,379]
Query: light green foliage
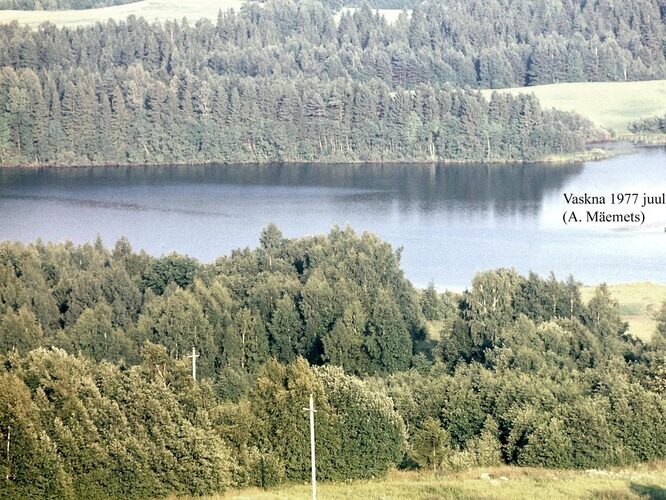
[245,345]
[659,339]
[20,330]
[94,334]
[359,434]
[486,449]
[177,321]
[548,445]
[117,433]
[431,445]
[490,304]
[371,434]
[343,346]
[604,314]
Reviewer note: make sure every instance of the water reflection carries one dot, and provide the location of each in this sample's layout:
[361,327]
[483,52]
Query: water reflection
[452,220]
[504,189]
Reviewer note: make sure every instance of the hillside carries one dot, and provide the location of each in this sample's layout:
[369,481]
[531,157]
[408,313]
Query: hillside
[611,105]
[151,10]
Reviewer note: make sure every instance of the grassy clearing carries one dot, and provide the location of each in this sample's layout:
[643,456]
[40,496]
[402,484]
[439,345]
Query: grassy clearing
[391,15]
[152,10]
[638,304]
[611,105]
[646,481]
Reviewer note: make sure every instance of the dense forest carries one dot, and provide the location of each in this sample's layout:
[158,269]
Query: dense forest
[59,4]
[286,81]
[94,341]
[74,118]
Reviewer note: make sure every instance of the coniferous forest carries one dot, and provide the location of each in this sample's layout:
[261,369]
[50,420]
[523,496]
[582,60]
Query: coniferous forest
[98,397]
[286,81]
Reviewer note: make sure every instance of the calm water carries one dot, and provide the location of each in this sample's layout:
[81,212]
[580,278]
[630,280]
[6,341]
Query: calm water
[451,220]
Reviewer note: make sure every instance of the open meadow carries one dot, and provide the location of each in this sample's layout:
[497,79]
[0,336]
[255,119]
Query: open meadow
[645,482]
[638,304]
[151,10]
[611,105]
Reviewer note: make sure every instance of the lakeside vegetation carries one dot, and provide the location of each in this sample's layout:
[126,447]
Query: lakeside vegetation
[94,341]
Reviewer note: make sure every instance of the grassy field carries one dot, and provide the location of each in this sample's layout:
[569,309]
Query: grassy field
[152,10]
[646,481]
[391,15]
[611,105]
[638,303]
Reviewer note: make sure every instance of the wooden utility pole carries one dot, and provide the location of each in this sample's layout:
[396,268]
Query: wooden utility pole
[312,448]
[194,357]
[9,437]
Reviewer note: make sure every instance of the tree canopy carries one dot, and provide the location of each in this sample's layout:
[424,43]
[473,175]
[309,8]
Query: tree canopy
[95,340]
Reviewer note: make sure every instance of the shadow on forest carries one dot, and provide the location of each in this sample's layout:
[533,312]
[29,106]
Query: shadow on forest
[650,491]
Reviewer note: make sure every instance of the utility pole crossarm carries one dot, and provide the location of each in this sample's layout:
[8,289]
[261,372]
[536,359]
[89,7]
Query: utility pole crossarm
[194,357]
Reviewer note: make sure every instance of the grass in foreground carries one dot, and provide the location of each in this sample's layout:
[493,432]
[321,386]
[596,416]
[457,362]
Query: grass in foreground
[611,105]
[642,481]
[638,304]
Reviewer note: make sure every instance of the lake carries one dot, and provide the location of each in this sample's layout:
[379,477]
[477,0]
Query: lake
[451,220]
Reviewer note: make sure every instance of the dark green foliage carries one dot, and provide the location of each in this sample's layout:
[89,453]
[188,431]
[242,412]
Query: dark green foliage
[173,268]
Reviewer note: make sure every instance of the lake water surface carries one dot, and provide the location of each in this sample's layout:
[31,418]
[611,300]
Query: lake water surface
[452,221]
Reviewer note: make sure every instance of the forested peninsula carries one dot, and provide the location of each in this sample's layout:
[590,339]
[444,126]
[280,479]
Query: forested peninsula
[288,81]
[98,398]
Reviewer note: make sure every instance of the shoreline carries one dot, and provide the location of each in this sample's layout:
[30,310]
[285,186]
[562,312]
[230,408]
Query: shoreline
[590,155]
[595,154]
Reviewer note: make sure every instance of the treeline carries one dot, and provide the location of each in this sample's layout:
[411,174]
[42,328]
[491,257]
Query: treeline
[490,44]
[59,4]
[95,341]
[131,117]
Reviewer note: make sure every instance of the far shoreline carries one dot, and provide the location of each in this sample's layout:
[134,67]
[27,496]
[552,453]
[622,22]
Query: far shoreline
[591,155]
